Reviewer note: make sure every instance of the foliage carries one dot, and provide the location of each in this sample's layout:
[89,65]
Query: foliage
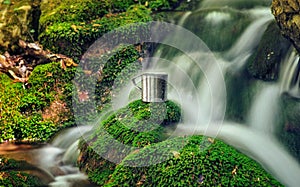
[217,165]
[137,125]
[10,178]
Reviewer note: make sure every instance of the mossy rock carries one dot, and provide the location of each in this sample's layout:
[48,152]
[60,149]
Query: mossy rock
[39,109]
[19,20]
[73,38]
[137,125]
[11,175]
[264,63]
[191,165]
[56,11]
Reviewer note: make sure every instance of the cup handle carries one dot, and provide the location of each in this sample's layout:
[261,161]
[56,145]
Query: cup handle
[134,82]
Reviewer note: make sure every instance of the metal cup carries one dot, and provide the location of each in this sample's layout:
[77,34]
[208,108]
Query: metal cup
[153,86]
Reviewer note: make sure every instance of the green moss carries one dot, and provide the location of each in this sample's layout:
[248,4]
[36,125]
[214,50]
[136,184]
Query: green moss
[264,63]
[73,38]
[22,108]
[11,178]
[180,161]
[55,11]
[137,125]
[217,165]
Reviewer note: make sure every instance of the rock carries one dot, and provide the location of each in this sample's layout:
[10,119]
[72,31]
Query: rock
[287,15]
[264,63]
[18,20]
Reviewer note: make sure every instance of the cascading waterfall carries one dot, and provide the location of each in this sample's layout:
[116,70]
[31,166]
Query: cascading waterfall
[197,83]
[255,138]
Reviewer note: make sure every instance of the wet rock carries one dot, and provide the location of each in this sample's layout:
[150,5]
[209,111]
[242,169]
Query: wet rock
[287,15]
[264,63]
[18,20]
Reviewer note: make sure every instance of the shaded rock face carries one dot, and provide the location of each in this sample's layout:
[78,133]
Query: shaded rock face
[18,20]
[287,14]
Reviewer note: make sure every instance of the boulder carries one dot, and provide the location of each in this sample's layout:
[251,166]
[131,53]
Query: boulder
[287,15]
[18,20]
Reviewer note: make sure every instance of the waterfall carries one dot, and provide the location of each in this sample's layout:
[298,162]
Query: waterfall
[250,37]
[196,82]
[60,157]
[198,85]
[290,74]
[264,110]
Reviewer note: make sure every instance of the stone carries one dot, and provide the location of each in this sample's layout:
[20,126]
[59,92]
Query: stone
[19,19]
[287,15]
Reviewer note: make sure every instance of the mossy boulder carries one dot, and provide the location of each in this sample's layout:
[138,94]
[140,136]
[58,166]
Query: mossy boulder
[39,109]
[73,38]
[56,11]
[264,63]
[19,20]
[137,125]
[12,174]
[192,165]
[152,158]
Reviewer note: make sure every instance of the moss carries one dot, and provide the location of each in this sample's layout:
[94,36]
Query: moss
[137,125]
[264,63]
[217,165]
[10,178]
[73,38]
[55,11]
[24,110]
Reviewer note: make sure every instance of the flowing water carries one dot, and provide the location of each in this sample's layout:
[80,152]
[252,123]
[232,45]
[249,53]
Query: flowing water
[202,110]
[197,82]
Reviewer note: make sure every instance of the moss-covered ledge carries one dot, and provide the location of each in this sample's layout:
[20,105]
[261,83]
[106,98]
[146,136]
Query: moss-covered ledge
[201,162]
[12,174]
[187,161]
[137,125]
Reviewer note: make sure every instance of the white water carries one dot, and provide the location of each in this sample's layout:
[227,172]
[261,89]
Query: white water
[290,74]
[264,110]
[251,36]
[60,156]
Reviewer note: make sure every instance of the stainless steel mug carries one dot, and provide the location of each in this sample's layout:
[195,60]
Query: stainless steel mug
[153,86]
